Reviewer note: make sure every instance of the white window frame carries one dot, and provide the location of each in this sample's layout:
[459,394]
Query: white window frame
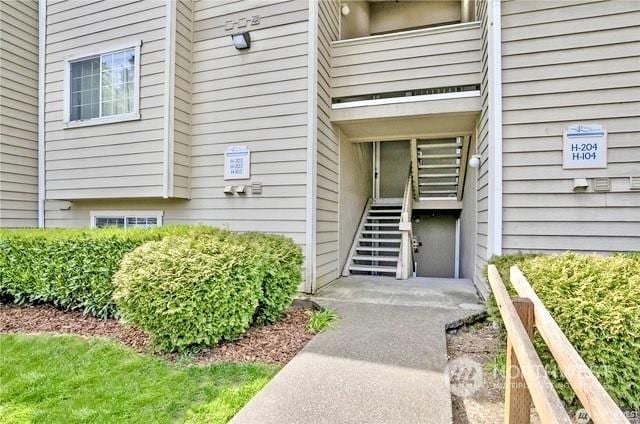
[131,116]
[126,214]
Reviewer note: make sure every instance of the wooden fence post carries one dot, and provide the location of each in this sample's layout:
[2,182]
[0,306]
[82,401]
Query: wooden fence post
[517,398]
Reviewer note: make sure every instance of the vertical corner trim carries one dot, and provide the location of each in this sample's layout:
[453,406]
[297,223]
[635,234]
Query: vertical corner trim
[312,146]
[42,45]
[494,241]
[169,91]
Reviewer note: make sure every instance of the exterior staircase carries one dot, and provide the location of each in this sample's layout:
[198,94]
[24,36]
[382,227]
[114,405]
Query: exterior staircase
[376,247]
[439,163]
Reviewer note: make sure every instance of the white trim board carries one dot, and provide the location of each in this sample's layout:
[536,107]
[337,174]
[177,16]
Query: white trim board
[494,236]
[169,92]
[407,99]
[42,60]
[312,148]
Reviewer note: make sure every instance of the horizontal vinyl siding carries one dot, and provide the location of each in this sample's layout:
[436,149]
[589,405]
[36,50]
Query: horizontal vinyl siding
[255,98]
[429,58]
[327,206]
[19,113]
[111,160]
[563,63]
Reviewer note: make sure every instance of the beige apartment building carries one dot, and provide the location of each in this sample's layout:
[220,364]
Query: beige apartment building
[393,138]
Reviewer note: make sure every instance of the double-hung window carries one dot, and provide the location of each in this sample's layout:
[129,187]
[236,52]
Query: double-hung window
[103,87]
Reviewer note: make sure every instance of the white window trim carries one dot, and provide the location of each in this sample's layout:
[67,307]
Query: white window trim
[110,214]
[134,115]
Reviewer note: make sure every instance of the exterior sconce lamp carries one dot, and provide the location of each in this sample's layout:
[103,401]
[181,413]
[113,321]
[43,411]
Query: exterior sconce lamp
[241,40]
[345,10]
[474,162]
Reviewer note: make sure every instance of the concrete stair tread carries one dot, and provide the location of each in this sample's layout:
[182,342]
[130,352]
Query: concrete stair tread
[366,240]
[377,249]
[375,258]
[369,268]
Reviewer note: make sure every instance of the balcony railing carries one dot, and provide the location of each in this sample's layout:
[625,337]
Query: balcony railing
[425,61]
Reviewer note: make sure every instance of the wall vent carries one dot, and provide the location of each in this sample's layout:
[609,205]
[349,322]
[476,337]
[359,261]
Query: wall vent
[634,183]
[256,188]
[601,184]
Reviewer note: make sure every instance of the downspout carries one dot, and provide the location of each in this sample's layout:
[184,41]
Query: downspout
[494,241]
[42,45]
[312,150]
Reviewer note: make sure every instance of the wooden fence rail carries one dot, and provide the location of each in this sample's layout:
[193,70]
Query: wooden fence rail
[527,380]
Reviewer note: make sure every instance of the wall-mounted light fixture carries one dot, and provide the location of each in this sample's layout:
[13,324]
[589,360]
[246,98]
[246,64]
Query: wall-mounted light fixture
[474,162]
[241,40]
[345,10]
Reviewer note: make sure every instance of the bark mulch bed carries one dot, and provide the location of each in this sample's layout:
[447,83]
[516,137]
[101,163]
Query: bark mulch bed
[275,343]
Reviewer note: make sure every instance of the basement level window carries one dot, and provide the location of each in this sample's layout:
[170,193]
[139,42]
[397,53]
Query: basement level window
[126,220]
[102,87]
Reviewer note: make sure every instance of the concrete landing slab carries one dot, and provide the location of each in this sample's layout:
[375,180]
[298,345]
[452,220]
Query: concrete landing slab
[383,362]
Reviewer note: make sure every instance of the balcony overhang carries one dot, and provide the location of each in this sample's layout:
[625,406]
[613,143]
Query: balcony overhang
[442,114]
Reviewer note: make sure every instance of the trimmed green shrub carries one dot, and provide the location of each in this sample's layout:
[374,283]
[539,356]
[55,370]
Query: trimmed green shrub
[595,301]
[279,261]
[72,268]
[189,291]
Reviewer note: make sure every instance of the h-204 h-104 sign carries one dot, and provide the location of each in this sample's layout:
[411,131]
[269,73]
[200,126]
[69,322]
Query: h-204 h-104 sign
[584,146]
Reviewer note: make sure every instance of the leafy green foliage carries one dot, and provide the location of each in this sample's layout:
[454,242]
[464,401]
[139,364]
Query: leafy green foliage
[187,286]
[595,301]
[69,379]
[187,292]
[279,262]
[321,319]
[72,268]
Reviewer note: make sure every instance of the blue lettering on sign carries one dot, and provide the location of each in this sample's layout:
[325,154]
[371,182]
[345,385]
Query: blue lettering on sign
[585,146]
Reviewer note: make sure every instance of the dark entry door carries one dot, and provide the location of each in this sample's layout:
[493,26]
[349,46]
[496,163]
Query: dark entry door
[437,233]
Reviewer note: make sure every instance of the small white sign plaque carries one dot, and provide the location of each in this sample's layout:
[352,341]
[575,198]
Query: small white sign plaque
[237,163]
[584,146]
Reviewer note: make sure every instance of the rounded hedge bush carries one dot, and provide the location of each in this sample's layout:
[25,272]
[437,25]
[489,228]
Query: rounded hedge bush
[187,291]
[279,261]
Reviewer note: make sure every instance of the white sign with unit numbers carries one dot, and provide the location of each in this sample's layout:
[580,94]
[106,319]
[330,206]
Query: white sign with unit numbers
[237,163]
[584,146]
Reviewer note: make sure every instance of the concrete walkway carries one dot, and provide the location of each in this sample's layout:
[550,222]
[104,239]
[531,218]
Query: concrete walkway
[383,362]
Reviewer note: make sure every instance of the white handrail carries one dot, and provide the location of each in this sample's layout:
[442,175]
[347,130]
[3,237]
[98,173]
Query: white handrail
[405,260]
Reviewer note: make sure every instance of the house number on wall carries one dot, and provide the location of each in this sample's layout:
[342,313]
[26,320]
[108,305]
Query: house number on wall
[584,146]
[237,163]
[242,23]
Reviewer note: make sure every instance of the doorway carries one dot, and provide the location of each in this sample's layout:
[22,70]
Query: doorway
[392,160]
[436,233]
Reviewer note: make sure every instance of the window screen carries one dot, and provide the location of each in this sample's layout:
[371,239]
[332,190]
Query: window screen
[103,85]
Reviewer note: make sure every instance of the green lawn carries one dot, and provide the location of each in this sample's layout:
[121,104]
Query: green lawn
[69,379]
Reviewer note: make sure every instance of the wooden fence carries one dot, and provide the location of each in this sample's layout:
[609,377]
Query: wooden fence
[527,381]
